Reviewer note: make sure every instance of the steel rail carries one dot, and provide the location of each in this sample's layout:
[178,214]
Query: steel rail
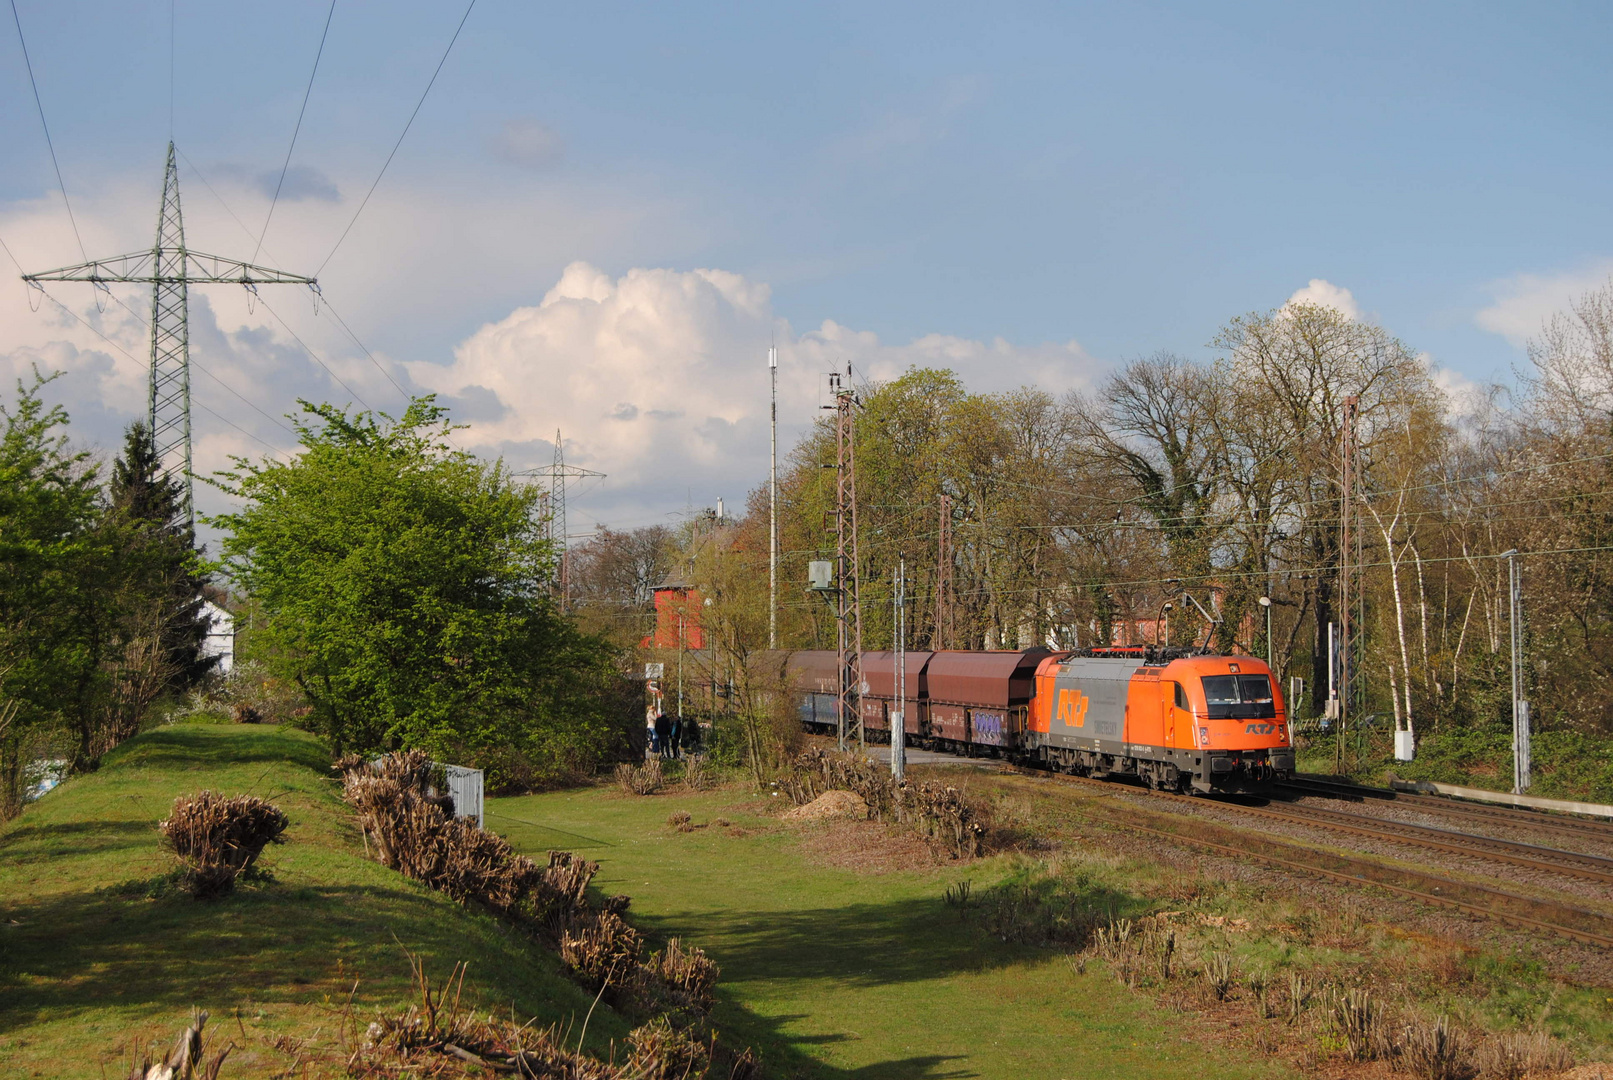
[1357,870]
[1531,856]
[1523,819]
[1430,898]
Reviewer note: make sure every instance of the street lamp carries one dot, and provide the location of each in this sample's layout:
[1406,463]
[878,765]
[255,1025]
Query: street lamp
[1265,602]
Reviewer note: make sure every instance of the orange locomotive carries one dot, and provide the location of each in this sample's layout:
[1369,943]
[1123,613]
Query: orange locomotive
[1176,719]
[1213,723]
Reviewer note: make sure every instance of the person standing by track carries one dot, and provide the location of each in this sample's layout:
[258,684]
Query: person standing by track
[663,734]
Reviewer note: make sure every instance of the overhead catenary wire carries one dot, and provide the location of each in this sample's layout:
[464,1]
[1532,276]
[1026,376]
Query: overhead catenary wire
[49,142]
[294,132]
[366,200]
[1215,577]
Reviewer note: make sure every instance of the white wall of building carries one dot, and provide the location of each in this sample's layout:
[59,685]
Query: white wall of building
[220,640]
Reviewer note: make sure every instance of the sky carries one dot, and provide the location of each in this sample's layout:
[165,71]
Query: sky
[604,215]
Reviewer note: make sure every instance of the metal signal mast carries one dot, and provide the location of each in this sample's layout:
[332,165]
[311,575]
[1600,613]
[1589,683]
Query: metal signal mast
[170,269]
[848,606]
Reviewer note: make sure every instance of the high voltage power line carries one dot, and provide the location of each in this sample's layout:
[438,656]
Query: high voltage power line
[170,268]
[76,317]
[430,83]
[306,94]
[323,299]
[49,142]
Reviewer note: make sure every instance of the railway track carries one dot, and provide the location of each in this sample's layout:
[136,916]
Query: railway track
[1582,828]
[1515,909]
[1529,856]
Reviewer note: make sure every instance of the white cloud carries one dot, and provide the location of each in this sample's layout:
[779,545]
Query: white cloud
[1470,403]
[1524,302]
[1326,294]
[659,379]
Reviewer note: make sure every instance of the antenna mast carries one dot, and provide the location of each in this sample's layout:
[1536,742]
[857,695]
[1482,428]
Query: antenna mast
[772,510]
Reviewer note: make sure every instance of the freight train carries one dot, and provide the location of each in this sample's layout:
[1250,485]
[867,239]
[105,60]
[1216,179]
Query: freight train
[1178,720]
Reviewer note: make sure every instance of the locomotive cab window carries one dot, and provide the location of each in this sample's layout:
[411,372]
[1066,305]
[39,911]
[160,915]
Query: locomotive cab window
[1181,697]
[1239,697]
[1255,688]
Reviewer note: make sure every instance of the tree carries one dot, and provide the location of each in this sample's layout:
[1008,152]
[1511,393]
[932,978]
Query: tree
[48,555]
[148,621]
[1298,366]
[613,576]
[403,586]
[149,504]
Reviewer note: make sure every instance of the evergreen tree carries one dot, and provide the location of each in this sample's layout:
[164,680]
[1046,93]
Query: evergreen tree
[150,505]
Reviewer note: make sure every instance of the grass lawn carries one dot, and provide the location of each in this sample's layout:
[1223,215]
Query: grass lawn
[845,973]
[89,963]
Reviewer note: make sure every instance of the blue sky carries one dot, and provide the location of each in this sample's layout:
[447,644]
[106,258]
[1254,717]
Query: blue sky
[1037,190]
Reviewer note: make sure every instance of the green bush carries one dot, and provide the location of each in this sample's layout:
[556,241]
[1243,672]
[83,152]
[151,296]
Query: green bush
[403,586]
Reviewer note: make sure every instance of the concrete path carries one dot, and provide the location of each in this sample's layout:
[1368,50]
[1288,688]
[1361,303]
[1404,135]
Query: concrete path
[882,755]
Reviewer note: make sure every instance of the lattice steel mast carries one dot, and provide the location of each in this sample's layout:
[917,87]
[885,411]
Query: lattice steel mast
[170,268]
[557,514]
[1350,585]
[557,474]
[848,614]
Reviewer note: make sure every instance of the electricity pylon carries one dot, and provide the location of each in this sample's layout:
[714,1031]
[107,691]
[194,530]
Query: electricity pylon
[170,269]
[558,473]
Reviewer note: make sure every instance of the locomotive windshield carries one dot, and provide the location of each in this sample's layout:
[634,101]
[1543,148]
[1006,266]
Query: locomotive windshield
[1239,697]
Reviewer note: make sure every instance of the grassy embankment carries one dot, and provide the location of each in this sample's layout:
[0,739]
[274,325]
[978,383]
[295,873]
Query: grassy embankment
[868,971]
[91,961]
[828,973]
[837,972]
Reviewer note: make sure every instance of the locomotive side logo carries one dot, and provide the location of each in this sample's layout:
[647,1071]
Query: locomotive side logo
[1072,709]
[1259,729]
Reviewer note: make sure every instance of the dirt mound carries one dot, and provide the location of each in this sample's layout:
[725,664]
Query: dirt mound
[1594,1071]
[831,804]
[868,847]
